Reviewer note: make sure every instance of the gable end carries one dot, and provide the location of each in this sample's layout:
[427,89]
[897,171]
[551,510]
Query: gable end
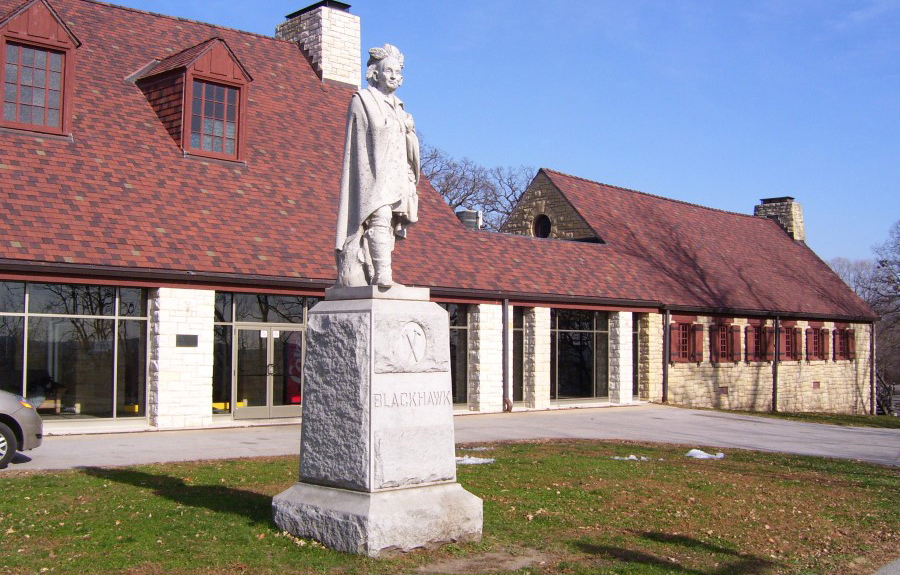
[541,202]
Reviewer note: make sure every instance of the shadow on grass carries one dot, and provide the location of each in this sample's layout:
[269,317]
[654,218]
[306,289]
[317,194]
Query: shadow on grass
[254,507]
[742,564]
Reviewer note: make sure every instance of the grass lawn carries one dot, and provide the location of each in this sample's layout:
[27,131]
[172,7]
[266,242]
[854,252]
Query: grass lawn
[880,421]
[550,507]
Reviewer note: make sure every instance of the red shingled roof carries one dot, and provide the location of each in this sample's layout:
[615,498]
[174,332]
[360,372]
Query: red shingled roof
[118,199]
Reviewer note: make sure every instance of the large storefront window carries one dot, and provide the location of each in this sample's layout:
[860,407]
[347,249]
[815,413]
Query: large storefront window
[459,351]
[579,359]
[259,349]
[75,351]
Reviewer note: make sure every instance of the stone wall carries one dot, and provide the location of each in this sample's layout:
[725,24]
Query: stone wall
[179,393]
[650,340]
[536,354]
[620,357]
[330,39]
[485,357]
[542,197]
[822,385]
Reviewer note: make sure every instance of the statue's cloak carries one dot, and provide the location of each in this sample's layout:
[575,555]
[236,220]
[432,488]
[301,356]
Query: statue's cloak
[381,165]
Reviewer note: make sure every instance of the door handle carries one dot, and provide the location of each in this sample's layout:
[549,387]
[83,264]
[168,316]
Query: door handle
[270,369]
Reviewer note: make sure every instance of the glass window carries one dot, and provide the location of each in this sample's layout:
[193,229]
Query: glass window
[70,362]
[459,347]
[12,297]
[579,356]
[518,353]
[223,306]
[28,71]
[222,368]
[12,330]
[133,302]
[209,113]
[269,308]
[66,299]
[131,375]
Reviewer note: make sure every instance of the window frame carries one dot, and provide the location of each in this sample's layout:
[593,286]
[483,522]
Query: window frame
[689,342]
[66,82]
[190,76]
[724,342]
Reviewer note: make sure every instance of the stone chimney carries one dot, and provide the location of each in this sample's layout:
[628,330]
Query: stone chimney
[328,34]
[472,219]
[785,211]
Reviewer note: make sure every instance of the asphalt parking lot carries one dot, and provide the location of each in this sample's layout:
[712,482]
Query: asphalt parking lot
[691,428]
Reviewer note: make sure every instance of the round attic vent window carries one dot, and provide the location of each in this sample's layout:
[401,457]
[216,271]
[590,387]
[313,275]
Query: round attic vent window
[542,226]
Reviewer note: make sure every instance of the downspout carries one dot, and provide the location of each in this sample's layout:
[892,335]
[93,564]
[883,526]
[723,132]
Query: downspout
[872,369]
[507,402]
[666,353]
[776,356]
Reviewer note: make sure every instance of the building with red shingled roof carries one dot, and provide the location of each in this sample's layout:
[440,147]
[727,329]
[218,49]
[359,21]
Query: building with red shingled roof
[166,185]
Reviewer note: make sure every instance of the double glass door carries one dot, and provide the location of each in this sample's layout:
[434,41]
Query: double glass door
[268,372]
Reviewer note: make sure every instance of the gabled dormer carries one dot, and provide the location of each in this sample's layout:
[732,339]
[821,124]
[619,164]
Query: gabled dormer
[544,211]
[38,53]
[200,95]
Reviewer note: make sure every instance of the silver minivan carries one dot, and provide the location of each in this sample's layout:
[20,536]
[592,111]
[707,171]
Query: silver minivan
[21,428]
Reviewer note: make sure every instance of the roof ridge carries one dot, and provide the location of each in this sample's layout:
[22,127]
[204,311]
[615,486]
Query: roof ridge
[180,19]
[654,195]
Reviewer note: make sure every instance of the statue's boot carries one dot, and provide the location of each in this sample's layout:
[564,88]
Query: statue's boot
[380,244]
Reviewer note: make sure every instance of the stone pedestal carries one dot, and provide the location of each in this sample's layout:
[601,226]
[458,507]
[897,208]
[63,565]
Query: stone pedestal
[377,464]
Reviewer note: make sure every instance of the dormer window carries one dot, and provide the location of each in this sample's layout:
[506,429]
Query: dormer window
[214,118]
[200,95]
[37,50]
[32,86]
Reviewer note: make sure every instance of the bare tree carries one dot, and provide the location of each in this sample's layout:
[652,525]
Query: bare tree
[878,284]
[466,184]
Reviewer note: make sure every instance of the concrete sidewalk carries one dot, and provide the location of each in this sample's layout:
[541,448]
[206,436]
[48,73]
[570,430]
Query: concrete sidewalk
[692,428]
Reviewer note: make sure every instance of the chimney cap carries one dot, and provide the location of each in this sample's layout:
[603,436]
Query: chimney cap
[324,3]
[781,200]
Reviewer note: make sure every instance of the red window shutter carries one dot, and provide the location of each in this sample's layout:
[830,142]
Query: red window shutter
[836,344]
[674,343]
[698,342]
[770,343]
[735,343]
[823,351]
[782,344]
[798,350]
[810,334]
[714,353]
[751,343]
[851,344]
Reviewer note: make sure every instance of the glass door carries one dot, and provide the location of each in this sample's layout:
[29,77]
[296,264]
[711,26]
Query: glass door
[268,372]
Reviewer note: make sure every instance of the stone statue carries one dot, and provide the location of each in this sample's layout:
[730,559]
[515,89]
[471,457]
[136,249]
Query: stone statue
[381,169]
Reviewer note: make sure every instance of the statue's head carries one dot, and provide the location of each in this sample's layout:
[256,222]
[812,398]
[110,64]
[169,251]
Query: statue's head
[384,68]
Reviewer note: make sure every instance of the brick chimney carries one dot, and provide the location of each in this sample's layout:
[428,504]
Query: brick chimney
[328,34]
[785,211]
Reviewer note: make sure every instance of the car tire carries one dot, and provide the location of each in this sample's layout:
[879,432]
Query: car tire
[8,445]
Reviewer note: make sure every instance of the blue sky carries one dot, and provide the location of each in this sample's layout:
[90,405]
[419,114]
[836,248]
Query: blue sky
[716,103]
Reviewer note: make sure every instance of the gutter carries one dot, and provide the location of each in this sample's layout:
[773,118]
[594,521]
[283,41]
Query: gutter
[667,320]
[872,410]
[776,358]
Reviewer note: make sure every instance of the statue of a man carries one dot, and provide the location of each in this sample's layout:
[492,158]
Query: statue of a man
[381,169]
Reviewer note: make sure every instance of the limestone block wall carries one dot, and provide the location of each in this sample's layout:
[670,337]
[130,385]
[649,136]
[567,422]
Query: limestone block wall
[542,197]
[650,368]
[330,39]
[824,385]
[536,371]
[620,357]
[180,383]
[486,358]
